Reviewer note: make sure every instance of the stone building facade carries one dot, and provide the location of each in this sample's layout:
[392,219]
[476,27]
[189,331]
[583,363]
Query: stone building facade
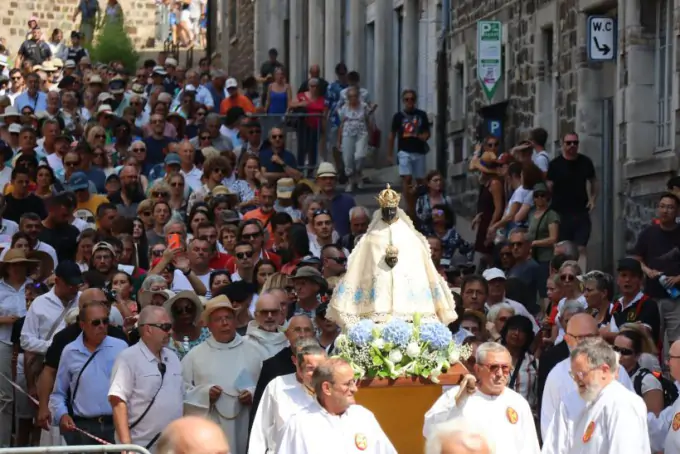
[625,111]
[51,14]
[235,38]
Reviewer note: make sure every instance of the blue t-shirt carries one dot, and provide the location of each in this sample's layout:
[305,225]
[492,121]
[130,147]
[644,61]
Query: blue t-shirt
[98,177]
[156,149]
[266,161]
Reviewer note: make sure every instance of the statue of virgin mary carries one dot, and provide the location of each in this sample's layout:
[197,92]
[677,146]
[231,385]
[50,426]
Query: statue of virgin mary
[390,273]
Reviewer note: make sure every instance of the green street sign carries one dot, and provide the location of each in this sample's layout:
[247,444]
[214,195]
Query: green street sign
[489,55]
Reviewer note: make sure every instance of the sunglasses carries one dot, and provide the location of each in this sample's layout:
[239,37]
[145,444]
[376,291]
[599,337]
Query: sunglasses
[181,310]
[244,255]
[494,368]
[269,312]
[250,236]
[100,136]
[492,145]
[623,351]
[571,142]
[166,327]
[205,137]
[409,98]
[277,136]
[159,194]
[540,195]
[100,321]
[72,163]
[156,122]
[157,253]
[338,260]
[321,211]
[138,150]
[219,171]
[567,277]
[176,185]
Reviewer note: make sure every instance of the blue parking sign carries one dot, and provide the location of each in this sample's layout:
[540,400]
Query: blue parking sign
[494,128]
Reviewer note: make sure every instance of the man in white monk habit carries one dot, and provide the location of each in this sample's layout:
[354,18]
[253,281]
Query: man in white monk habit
[664,430]
[265,332]
[489,404]
[220,374]
[614,420]
[559,384]
[284,397]
[334,423]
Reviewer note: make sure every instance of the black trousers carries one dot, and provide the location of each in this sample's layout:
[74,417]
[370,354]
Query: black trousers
[101,427]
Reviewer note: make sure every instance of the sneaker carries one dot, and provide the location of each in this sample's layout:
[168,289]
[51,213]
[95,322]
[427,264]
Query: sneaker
[349,187]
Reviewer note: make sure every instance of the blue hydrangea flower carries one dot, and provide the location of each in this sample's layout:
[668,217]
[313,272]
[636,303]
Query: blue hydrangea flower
[361,333]
[397,332]
[437,335]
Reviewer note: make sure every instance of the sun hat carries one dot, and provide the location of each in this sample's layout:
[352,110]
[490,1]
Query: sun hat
[326,169]
[15,256]
[219,302]
[144,297]
[185,295]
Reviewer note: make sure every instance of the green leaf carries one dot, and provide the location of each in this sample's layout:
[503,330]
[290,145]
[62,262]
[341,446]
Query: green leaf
[377,361]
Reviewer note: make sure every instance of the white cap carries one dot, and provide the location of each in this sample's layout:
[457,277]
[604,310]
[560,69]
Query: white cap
[171,62]
[14,128]
[70,64]
[231,83]
[493,273]
[104,96]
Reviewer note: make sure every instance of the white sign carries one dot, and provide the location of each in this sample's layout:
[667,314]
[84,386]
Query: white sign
[601,38]
[489,55]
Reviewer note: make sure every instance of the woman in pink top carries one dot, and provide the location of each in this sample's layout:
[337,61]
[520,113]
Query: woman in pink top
[311,129]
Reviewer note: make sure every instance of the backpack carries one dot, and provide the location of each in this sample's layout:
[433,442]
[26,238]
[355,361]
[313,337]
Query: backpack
[670,391]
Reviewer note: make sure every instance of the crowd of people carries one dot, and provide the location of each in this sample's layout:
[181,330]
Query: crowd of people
[158,236]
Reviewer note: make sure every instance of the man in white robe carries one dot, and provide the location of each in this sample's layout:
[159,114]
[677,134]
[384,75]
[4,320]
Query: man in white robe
[664,430]
[220,374]
[614,419]
[265,332]
[334,423]
[459,436]
[489,404]
[284,397]
[559,384]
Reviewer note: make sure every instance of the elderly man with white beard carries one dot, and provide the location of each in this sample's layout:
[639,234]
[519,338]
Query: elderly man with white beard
[284,397]
[559,384]
[489,404]
[614,419]
[220,374]
[265,332]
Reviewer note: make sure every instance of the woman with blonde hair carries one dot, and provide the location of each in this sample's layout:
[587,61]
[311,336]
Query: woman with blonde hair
[214,170]
[95,136]
[649,354]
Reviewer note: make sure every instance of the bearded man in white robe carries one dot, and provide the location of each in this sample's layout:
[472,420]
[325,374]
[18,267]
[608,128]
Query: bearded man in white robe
[265,332]
[334,423]
[614,419]
[285,396]
[220,374]
[559,385]
[489,403]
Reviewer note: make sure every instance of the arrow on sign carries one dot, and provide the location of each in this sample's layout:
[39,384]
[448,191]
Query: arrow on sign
[603,48]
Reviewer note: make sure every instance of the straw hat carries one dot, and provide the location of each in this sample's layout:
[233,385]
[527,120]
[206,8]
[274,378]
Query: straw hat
[185,295]
[219,302]
[15,256]
[144,297]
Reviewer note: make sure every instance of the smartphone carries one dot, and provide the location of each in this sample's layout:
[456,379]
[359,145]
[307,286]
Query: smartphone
[174,241]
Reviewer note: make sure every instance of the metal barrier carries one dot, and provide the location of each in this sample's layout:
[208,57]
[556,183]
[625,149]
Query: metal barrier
[68,449]
[171,49]
[305,136]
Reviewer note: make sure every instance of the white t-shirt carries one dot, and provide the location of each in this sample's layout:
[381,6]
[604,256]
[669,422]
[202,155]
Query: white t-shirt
[541,159]
[649,382]
[521,196]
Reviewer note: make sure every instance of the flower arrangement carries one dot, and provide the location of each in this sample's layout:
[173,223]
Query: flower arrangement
[399,349]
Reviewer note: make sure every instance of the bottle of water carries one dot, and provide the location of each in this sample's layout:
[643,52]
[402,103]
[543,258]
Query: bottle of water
[673,292]
[185,344]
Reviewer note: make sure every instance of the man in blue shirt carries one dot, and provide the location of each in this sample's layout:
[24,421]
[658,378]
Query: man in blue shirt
[276,161]
[32,97]
[341,203]
[216,88]
[80,395]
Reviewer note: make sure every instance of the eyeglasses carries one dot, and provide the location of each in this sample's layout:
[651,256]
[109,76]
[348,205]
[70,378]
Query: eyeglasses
[571,142]
[99,321]
[269,312]
[567,277]
[166,327]
[159,194]
[250,236]
[244,255]
[581,375]
[301,330]
[582,337]
[138,150]
[277,136]
[623,351]
[494,368]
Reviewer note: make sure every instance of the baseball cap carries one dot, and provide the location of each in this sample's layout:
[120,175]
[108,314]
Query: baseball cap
[284,188]
[14,128]
[69,272]
[171,62]
[78,182]
[326,169]
[172,158]
[117,85]
[231,83]
[493,273]
[105,96]
[95,79]
[160,71]
[70,64]
[629,264]
[104,245]
[230,217]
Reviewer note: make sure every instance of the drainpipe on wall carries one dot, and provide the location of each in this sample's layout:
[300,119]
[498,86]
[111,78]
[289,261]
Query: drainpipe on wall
[442,71]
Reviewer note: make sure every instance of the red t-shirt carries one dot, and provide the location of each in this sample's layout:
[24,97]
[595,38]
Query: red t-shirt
[315,107]
[220,261]
[231,262]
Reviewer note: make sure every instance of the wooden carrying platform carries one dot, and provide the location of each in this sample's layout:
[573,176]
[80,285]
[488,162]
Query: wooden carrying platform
[400,405]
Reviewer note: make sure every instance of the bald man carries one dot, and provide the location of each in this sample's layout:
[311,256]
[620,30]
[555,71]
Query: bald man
[559,383]
[59,342]
[190,435]
[263,332]
[664,430]
[299,327]
[458,436]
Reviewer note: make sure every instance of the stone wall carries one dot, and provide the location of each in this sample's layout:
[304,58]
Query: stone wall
[241,45]
[14,15]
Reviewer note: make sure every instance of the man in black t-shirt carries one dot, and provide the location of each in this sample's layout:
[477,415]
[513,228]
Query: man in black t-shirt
[57,230]
[34,49]
[572,181]
[411,128]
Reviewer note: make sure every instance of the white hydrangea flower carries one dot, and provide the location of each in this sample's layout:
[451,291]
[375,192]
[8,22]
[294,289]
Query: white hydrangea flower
[378,343]
[341,341]
[454,357]
[396,356]
[413,350]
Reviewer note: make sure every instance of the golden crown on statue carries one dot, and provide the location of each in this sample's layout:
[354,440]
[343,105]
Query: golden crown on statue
[389,198]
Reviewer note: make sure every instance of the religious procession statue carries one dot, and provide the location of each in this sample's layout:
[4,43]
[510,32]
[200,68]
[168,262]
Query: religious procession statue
[390,274]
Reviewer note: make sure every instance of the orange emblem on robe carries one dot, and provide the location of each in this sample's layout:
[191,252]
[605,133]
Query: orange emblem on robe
[676,422]
[589,432]
[512,415]
[360,442]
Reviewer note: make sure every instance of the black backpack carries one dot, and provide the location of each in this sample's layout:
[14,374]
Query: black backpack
[670,391]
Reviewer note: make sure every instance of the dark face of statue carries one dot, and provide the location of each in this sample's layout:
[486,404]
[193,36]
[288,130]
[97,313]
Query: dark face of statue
[391,261]
[388,214]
